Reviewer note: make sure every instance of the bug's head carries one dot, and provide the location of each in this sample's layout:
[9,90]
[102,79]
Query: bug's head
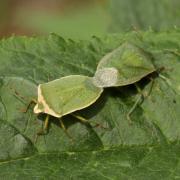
[42,106]
[39,108]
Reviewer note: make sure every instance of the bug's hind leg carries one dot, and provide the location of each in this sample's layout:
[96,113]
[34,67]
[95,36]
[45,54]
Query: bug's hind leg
[86,122]
[65,129]
[139,100]
[128,116]
[81,119]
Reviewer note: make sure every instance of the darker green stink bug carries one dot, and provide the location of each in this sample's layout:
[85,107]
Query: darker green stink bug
[125,65]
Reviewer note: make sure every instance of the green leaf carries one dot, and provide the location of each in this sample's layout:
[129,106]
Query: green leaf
[148,148]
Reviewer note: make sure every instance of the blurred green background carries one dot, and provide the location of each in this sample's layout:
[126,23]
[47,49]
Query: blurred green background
[79,19]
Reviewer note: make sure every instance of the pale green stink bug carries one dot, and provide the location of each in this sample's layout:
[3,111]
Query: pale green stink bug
[66,95]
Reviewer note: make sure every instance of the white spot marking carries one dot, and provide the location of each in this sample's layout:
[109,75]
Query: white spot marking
[106,77]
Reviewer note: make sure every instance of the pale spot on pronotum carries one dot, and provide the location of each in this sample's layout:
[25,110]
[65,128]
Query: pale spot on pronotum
[42,106]
[106,77]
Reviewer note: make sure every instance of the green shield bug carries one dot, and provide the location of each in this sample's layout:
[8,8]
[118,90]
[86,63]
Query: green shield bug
[66,95]
[123,66]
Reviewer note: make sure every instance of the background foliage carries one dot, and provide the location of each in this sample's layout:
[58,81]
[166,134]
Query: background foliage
[80,19]
[142,15]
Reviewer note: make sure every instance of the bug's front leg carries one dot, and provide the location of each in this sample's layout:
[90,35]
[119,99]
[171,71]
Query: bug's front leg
[45,128]
[33,101]
[19,96]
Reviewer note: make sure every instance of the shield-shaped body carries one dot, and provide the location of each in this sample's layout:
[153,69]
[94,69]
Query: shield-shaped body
[66,95]
[123,66]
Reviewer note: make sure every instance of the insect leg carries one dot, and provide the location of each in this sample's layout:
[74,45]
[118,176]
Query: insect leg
[20,97]
[33,101]
[140,99]
[86,122]
[128,116]
[139,90]
[46,124]
[176,52]
[44,130]
[81,119]
[152,83]
[65,129]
